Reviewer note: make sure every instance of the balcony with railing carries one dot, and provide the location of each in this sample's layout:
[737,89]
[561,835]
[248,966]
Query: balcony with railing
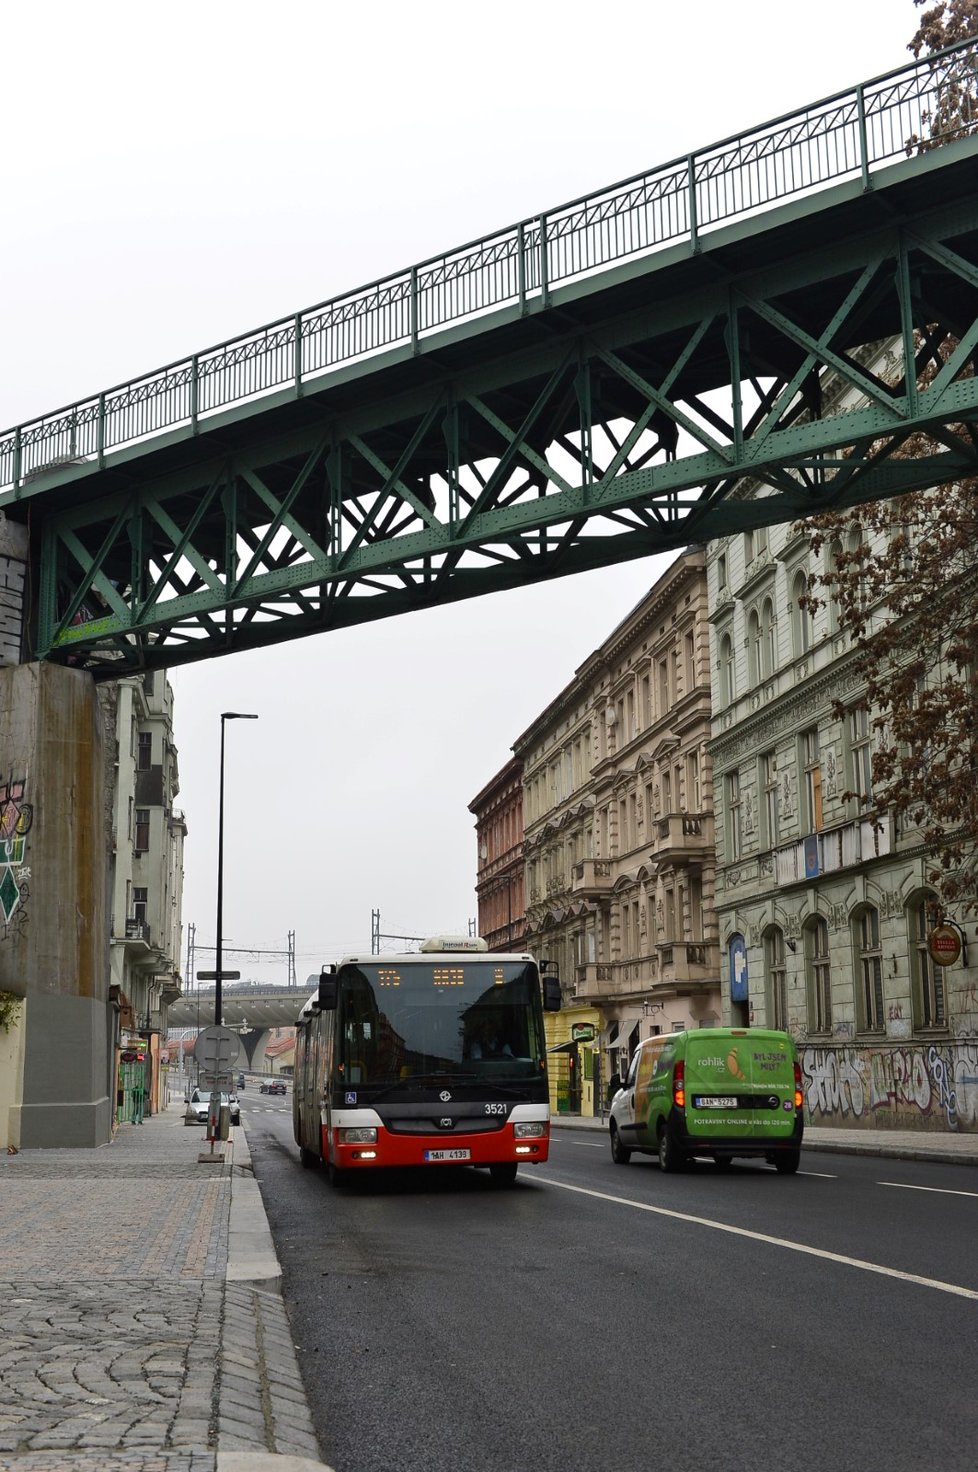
[592,981]
[683,961]
[591,878]
[604,980]
[683,838]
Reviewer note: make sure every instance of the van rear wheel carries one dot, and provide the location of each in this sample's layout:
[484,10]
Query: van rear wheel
[619,1154]
[787,1162]
[671,1158]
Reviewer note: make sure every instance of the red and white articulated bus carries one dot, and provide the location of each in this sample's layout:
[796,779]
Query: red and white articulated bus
[433,1058]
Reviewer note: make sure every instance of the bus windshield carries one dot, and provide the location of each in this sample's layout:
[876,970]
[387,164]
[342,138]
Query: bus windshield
[401,1020]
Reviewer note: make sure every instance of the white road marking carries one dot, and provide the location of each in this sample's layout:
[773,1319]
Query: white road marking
[702,1221]
[820,1175]
[937,1190]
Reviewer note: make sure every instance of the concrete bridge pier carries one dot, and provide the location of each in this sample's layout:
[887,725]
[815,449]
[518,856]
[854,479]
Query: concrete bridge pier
[56,1020]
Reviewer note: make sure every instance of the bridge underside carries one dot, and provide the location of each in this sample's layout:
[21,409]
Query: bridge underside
[254,1017]
[615,418]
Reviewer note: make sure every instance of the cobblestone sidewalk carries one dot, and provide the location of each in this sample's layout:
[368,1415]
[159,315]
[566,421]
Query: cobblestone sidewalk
[135,1336]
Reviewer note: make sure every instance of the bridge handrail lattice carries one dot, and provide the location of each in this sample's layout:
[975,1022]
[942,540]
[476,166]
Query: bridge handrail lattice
[842,136]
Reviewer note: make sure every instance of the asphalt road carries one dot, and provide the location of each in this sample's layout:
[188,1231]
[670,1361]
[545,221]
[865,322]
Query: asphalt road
[610,1317]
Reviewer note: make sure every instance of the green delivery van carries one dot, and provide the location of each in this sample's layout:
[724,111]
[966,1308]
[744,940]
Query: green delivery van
[720,1092]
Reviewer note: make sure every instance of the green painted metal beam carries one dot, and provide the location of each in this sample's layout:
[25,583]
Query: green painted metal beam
[589,416]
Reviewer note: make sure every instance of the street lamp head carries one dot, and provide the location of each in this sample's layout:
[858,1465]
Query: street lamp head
[237,715]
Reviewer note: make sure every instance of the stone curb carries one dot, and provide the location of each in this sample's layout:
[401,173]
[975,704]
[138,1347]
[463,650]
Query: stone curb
[264,1420]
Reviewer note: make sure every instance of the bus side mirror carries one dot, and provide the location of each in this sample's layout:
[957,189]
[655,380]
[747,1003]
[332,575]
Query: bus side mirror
[551,993]
[328,988]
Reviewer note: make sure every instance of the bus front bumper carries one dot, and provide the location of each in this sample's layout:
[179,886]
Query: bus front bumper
[391,1148]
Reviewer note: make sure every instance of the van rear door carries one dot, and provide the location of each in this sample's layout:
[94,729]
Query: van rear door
[740,1085]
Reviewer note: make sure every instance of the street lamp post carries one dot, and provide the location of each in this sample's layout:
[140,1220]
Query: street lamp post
[227,715]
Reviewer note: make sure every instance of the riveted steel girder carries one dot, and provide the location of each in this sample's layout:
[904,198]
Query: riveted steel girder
[620,417]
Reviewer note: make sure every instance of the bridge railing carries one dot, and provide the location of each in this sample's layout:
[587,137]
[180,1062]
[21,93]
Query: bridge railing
[847,135]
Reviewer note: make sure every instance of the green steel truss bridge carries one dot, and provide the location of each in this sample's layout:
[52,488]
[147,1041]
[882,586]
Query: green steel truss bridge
[595,384]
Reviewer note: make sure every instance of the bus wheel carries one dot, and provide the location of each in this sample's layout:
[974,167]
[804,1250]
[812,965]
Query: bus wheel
[307,1160]
[504,1174]
[337,1177]
[619,1154]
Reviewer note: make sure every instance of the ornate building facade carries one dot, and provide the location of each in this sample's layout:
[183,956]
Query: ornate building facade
[618,816]
[498,812]
[146,876]
[824,918]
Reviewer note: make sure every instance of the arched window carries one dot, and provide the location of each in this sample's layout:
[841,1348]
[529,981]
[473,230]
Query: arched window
[869,969]
[926,977]
[754,647]
[801,619]
[768,632]
[728,691]
[819,976]
[775,978]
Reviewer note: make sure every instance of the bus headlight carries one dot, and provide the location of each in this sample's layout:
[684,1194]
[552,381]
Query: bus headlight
[531,1131]
[366,1135]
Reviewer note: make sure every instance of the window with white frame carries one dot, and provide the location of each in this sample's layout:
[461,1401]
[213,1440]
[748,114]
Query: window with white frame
[754,646]
[768,634]
[769,781]
[801,618]
[832,560]
[734,830]
[728,681]
[861,753]
[819,976]
[693,781]
[777,978]
[867,923]
[813,779]
[929,1001]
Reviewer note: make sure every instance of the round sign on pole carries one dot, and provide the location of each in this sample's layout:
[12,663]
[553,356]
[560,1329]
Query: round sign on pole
[944,944]
[216,1049]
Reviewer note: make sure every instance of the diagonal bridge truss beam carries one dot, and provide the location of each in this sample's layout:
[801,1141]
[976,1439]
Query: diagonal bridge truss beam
[674,406]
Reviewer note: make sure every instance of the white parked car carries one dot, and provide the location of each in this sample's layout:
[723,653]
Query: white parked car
[199,1103]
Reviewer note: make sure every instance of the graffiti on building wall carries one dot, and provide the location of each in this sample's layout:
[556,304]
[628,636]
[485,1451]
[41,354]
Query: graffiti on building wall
[934,1084]
[16,818]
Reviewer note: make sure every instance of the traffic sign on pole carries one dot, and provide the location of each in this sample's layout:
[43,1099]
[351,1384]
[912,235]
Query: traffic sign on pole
[216,1049]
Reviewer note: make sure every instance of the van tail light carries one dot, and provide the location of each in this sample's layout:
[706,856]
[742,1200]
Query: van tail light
[679,1084]
[798,1098]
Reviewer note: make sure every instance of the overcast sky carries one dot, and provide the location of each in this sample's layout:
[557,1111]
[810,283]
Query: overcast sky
[174,174]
